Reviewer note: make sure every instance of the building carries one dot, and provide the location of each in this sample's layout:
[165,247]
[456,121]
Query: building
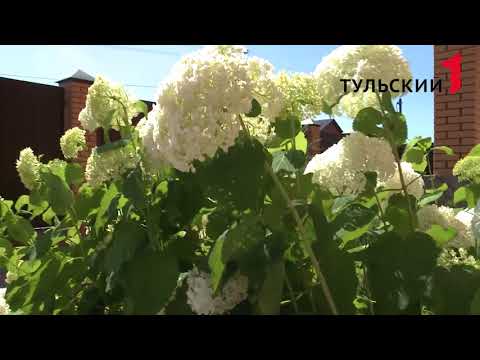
[320,135]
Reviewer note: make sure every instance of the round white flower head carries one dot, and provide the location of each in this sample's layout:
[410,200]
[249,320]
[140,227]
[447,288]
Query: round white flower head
[28,167]
[200,294]
[260,128]
[107,106]
[72,142]
[341,167]
[4,307]
[109,165]
[468,168]
[451,257]
[200,103]
[153,154]
[413,181]
[359,62]
[445,217]
[300,94]
[10,277]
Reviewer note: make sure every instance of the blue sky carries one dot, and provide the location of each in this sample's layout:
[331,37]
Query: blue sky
[147,65]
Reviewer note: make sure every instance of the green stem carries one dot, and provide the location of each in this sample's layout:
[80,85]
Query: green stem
[74,216]
[367,288]
[398,162]
[292,295]
[306,245]
[382,214]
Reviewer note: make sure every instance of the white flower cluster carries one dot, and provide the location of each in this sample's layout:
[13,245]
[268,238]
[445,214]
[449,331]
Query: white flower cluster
[260,128]
[451,257]
[341,167]
[110,165]
[72,142]
[10,277]
[413,181]
[107,106]
[468,168]
[200,294]
[359,62]
[300,94]
[199,105]
[445,217]
[28,167]
[4,307]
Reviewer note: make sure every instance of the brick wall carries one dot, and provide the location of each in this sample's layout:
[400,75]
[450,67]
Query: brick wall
[457,117]
[75,91]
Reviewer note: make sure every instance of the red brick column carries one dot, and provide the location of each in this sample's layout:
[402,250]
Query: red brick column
[75,90]
[457,116]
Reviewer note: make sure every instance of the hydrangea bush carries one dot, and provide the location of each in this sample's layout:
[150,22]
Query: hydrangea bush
[209,206]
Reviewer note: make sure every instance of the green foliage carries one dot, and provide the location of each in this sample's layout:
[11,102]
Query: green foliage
[150,278]
[454,290]
[398,270]
[288,127]
[127,246]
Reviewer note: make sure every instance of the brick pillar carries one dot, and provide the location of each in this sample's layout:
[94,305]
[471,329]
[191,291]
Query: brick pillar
[76,88]
[457,117]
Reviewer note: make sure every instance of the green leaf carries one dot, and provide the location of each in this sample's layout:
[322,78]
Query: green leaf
[469,193]
[353,222]
[417,158]
[112,146]
[256,109]
[297,158]
[281,162]
[218,221]
[41,246]
[48,216]
[475,305]
[88,201]
[74,174]
[102,214]
[432,195]
[441,235]
[327,109]
[337,266]
[425,143]
[454,290]
[59,195]
[237,243]
[398,270]
[397,212]
[447,150]
[371,184]
[19,229]
[217,263]
[367,122]
[237,177]
[127,237]
[387,102]
[29,266]
[5,244]
[35,289]
[397,123]
[150,279]
[288,127]
[141,107]
[475,151]
[21,202]
[273,217]
[134,189]
[271,292]
[459,195]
